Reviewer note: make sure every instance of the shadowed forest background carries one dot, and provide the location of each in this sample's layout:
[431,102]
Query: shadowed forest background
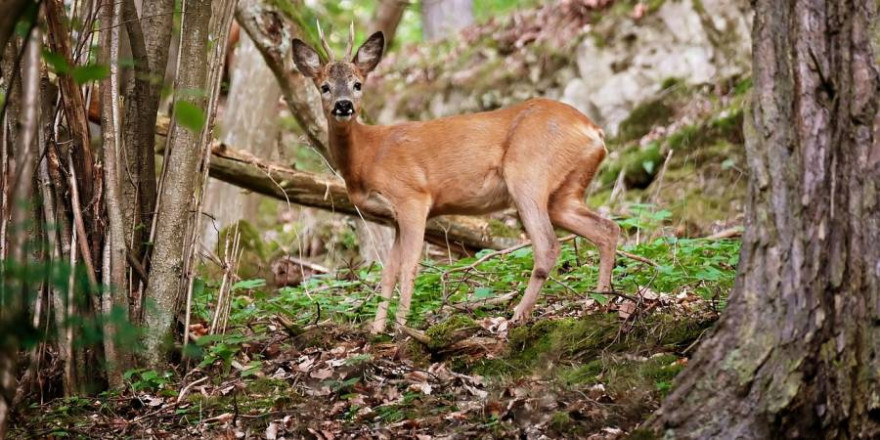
[180,258]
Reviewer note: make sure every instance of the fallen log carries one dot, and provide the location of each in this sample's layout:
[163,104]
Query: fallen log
[461,233]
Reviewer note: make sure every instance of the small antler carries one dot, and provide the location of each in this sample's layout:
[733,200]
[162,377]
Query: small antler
[350,41]
[324,41]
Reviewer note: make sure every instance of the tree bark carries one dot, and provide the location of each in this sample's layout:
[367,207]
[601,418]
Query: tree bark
[251,121]
[272,34]
[795,353]
[13,10]
[173,214]
[444,18]
[116,295]
[150,38]
[75,113]
[387,18]
[13,319]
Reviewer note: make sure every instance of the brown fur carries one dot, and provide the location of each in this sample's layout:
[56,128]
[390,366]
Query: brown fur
[538,156]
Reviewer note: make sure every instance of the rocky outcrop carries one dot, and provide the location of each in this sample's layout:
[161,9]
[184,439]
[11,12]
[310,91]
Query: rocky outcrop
[602,57]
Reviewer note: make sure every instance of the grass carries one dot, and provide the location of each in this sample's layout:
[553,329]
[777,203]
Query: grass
[705,267]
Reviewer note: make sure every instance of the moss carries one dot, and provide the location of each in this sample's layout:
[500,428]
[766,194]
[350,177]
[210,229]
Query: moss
[742,87]
[267,385]
[639,165]
[450,331]
[560,422]
[552,342]
[684,138]
[671,82]
[645,117]
[500,229]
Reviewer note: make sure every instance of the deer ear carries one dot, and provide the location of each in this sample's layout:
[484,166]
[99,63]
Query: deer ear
[306,59]
[370,53]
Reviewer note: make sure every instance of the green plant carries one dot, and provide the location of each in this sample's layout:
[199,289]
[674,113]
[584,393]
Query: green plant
[147,380]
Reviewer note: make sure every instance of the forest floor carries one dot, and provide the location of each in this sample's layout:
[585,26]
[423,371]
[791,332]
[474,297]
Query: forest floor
[296,362]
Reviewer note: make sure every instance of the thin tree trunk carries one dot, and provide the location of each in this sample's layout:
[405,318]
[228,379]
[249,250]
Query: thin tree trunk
[443,18]
[74,108]
[166,274]
[796,353]
[387,18]
[116,295]
[14,318]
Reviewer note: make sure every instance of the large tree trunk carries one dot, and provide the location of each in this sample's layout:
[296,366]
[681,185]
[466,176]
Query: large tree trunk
[443,18]
[251,121]
[166,274]
[796,353]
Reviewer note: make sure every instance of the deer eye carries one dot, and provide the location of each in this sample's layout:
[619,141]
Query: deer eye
[357,86]
[325,88]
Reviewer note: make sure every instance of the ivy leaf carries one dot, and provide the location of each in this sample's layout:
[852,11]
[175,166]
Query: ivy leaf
[189,115]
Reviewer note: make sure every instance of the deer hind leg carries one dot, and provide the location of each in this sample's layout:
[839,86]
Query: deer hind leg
[573,215]
[545,249]
[389,279]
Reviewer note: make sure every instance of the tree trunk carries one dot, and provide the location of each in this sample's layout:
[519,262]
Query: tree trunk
[265,25]
[795,354]
[444,18]
[387,18]
[166,274]
[13,10]
[116,296]
[150,38]
[250,120]
[13,296]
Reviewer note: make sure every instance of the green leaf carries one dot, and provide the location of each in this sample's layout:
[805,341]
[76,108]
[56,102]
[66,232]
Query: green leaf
[89,73]
[249,284]
[56,61]
[482,292]
[189,115]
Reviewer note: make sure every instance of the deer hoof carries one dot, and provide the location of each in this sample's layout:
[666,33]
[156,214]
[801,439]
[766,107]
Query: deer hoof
[520,317]
[377,328]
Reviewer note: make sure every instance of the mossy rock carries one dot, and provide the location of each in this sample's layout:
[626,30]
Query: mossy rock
[552,342]
[645,117]
[450,331]
[639,164]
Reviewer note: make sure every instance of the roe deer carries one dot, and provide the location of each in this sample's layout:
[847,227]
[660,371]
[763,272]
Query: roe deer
[538,156]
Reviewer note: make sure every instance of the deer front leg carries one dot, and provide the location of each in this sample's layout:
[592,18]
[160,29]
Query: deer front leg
[412,236]
[389,279]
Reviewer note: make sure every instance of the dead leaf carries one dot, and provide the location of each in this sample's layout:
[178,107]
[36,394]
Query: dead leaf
[322,374]
[626,309]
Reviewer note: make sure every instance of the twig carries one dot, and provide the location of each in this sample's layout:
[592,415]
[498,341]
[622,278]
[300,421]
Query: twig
[188,387]
[637,258]
[415,334]
[733,232]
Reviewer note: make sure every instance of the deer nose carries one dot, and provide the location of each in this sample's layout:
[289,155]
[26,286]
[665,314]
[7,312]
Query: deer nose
[343,108]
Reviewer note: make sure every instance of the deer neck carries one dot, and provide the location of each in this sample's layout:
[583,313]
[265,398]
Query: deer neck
[343,149]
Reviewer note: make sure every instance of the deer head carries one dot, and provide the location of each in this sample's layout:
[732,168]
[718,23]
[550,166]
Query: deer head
[340,82]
